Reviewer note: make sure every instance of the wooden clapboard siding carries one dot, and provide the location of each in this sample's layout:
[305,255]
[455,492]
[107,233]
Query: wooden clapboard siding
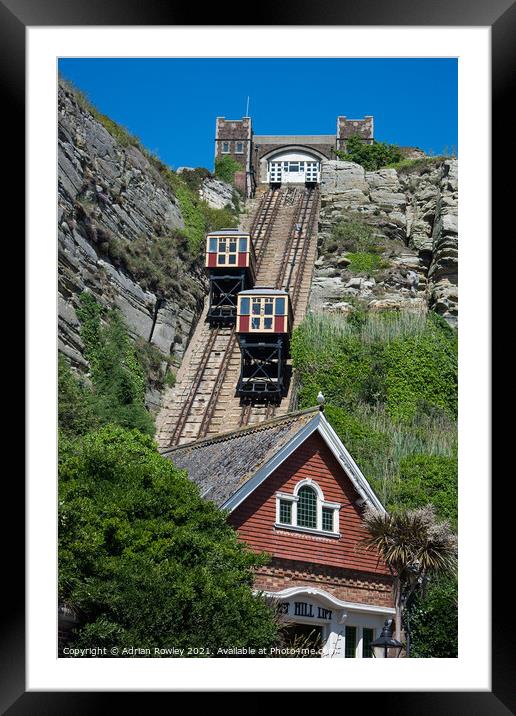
[254,519]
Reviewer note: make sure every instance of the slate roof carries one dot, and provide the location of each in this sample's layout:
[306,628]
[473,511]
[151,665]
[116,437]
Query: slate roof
[221,464]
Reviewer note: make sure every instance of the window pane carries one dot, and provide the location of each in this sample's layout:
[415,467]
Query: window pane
[256,307]
[232,247]
[351,642]
[221,258]
[255,323]
[232,258]
[327,519]
[280,306]
[285,512]
[268,309]
[307,507]
[213,245]
[368,637]
[267,323]
[244,306]
[242,244]
[222,245]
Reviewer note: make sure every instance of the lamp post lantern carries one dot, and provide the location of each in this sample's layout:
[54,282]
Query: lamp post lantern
[386,646]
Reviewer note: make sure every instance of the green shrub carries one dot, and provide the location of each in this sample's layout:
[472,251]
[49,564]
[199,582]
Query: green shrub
[371,156]
[118,380]
[350,234]
[428,478]
[391,375]
[144,560]
[226,167]
[422,371]
[194,178]
[362,262]
[434,621]
[421,165]
[76,407]
[170,379]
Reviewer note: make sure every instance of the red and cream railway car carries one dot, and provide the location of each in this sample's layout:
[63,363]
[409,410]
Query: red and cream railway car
[231,265]
[264,326]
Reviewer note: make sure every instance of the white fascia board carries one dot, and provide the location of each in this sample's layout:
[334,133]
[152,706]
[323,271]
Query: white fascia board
[318,422]
[328,598]
[349,466]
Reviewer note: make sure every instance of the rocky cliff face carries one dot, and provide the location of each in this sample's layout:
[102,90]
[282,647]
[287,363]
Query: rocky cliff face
[412,216]
[109,194]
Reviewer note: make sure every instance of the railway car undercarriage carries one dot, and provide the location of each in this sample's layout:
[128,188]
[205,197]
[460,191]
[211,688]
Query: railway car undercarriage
[223,298]
[264,373]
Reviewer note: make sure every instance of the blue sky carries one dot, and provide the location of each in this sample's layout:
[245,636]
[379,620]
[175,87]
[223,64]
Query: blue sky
[171,104]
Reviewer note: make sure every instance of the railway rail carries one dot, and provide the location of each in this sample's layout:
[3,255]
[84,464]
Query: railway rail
[216,346]
[290,271]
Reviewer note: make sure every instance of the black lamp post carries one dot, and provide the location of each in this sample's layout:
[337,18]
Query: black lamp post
[386,646]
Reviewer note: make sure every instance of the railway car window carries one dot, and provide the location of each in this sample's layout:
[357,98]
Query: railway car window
[221,258]
[213,246]
[222,245]
[256,307]
[267,323]
[255,323]
[232,247]
[232,258]
[244,306]
[280,306]
[268,307]
[242,245]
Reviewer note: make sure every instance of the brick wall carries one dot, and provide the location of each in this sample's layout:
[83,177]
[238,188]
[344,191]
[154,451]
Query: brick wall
[255,517]
[233,131]
[346,584]
[346,128]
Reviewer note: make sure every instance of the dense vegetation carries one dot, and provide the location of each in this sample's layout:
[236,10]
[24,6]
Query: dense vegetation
[144,561]
[371,156]
[116,391]
[226,168]
[381,154]
[390,383]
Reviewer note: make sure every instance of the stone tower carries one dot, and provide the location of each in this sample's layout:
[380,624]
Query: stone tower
[233,137]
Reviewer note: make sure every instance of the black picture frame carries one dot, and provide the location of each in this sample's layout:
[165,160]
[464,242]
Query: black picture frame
[15,16]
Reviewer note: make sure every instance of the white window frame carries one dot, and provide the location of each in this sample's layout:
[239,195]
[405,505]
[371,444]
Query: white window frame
[228,150]
[237,150]
[321,502]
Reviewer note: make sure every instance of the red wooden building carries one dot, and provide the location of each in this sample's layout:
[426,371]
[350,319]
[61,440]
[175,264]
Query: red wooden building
[293,490]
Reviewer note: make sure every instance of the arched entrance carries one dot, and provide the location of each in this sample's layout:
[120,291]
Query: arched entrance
[293,165]
[339,628]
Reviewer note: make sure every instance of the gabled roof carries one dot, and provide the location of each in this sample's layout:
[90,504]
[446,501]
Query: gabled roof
[229,466]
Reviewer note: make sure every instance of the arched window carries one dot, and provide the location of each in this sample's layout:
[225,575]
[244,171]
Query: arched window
[307,507]
[306,510]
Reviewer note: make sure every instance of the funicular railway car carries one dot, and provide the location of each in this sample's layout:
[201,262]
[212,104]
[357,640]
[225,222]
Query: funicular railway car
[264,326]
[231,266]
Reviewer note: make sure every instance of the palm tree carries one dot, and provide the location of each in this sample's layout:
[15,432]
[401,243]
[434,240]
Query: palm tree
[414,546]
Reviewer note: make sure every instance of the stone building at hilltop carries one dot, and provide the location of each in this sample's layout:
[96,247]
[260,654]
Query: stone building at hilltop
[282,158]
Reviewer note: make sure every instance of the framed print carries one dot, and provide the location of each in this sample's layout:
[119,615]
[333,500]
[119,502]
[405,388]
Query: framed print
[159,310]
